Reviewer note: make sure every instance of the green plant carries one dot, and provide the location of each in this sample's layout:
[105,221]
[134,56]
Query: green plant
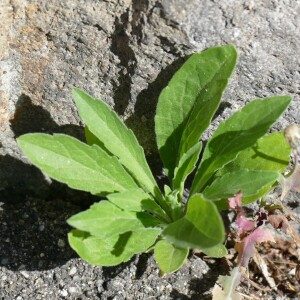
[137,216]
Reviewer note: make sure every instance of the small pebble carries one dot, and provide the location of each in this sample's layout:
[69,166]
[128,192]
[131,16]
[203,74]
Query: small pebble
[25,274]
[73,271]
[88,293]
[61,243]
[38,281]
[99,284]
[41,263]
[73,290]
[76,278]
[64,293]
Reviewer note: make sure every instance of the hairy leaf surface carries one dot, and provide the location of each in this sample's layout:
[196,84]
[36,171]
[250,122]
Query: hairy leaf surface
[249,182]
[80,166]
[105,219]
[237,133]
[106,126]
[186,166]
[91,139]
[201,227]
[264,155]
[271,153]
[186,106]
[136,200]
[112,250]
[168,257]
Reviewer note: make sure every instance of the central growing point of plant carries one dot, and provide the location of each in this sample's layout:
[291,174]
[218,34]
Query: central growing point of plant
[137,216]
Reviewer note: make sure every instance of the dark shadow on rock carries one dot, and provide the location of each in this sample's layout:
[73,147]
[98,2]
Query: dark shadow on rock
[33,228]
[142,264]
[18,179]
[29,118]
[120,46]
[112,272]
[139,9]
[199,286]
[221,108]
[33,231]
[33,234]
[175,295]
[25,180]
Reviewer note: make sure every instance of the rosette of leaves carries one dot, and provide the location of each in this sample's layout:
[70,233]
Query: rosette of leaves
[137,216]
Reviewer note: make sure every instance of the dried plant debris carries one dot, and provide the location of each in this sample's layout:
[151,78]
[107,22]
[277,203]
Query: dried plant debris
[267,263]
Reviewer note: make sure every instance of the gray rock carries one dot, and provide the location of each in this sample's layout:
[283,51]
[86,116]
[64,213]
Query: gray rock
[124,52]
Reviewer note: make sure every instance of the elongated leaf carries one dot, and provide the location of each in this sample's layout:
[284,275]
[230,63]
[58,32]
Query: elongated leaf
[80,166]
[137,200]
[198,84]
[249,182]
[201,227]
[204,109]
[237,133]
[105,219]
[112,250]
[106,126]
[168,257]
[186,165]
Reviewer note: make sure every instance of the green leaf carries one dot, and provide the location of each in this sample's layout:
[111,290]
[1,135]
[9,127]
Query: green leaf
[168,257]
[107,127]
[249,182]
[237,133]
[137,200]
[174,203]
[112,250]
[105,219]
[204,109]
[264,155]
[217,251]
[187,105]
[91,139]
[186,166]
[80,166]
[270,153]
[223,203]
[201,227]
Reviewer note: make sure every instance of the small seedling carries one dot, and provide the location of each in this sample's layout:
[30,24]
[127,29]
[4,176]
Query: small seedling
[137,216]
